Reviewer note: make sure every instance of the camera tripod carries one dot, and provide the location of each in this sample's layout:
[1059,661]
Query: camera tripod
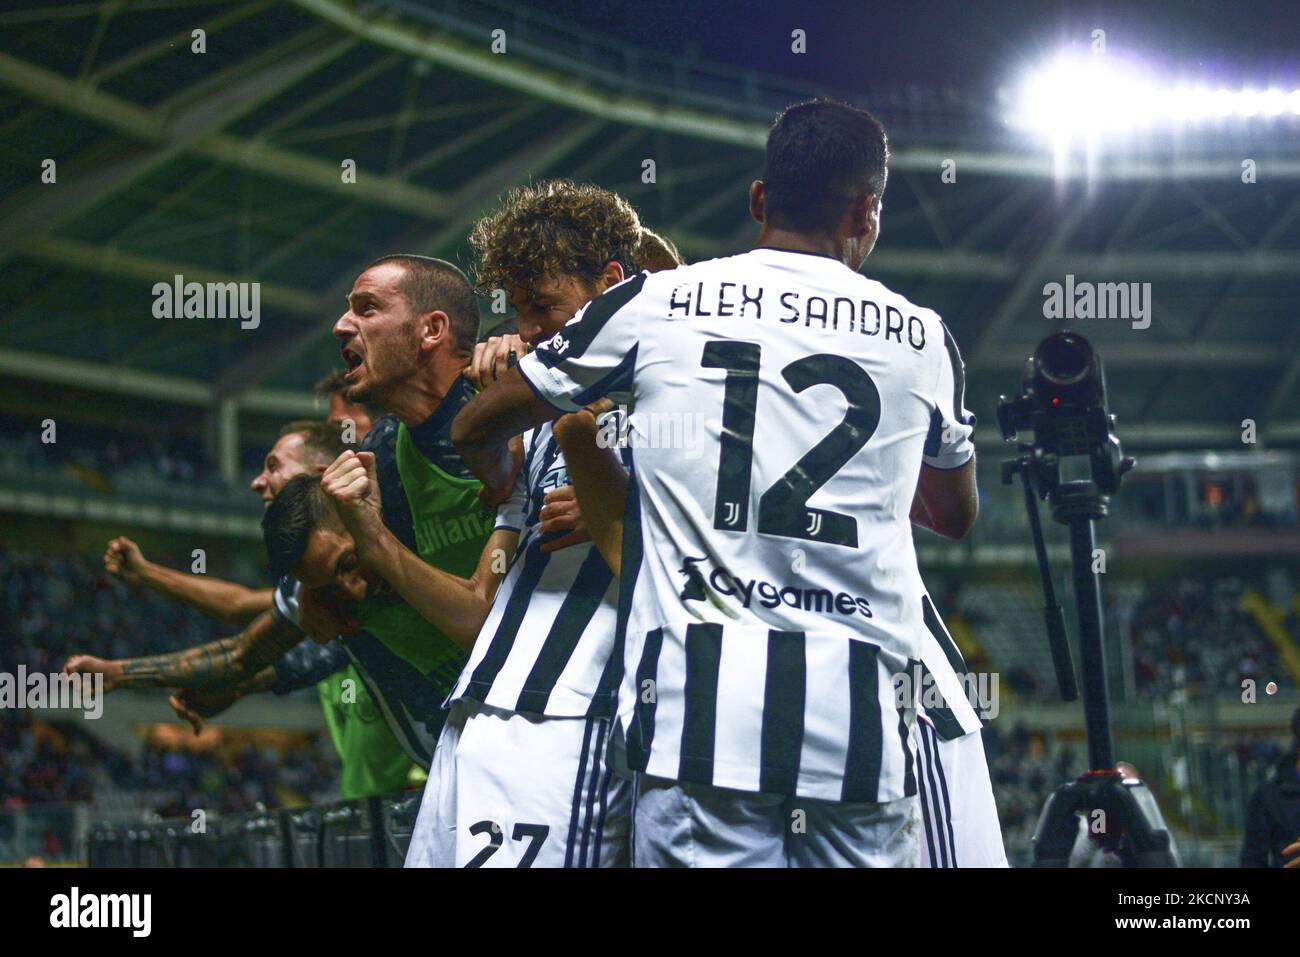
[1119,813]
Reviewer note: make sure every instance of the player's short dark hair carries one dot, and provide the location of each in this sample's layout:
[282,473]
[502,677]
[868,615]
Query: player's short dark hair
[299,509]
[434,284]
[821,156]
[554,227]
[323,439]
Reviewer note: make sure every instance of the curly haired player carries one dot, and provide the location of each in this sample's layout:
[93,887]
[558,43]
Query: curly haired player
[521,776]
[753,695]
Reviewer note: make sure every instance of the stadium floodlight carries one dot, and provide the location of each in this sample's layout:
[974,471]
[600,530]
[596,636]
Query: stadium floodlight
[1088,96]
[1096,96]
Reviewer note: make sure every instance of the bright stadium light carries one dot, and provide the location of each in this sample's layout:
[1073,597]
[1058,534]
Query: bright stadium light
[1087,95]
[1096,96]
[1222,103]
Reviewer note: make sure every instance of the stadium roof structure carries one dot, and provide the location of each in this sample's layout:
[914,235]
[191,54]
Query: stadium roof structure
[227,165]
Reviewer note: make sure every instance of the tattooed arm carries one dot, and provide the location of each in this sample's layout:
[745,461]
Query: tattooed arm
[301,667]
[227,661]
[198,705]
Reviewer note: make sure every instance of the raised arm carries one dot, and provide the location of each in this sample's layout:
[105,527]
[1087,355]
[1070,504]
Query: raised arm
[301,667]
[228,661]
[482,431]
[593,355]
[225,601]
[455,606]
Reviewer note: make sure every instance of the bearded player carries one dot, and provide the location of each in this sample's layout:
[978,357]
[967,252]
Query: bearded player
[521,776]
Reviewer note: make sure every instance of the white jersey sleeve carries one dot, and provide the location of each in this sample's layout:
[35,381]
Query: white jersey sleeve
[949,443]
[593,355]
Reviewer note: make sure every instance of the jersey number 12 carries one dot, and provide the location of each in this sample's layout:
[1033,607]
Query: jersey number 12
[783,509]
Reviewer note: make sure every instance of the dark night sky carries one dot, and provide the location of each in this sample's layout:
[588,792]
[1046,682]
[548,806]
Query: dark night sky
[946,43]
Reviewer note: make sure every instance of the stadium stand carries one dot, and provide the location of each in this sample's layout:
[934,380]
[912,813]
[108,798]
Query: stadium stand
[55,606]
[238,178]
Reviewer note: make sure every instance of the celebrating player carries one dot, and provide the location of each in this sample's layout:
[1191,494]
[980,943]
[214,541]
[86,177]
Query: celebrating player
[406,337]
[520,777]
[770,592]
[245,659]
[303,446]
[373,760]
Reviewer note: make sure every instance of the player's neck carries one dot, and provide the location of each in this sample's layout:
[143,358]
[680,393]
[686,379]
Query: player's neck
[770,237]
[421,396]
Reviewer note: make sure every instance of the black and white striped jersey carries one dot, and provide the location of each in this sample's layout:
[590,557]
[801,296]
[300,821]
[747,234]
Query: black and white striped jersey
[939,680]
[546,645]
[782,406]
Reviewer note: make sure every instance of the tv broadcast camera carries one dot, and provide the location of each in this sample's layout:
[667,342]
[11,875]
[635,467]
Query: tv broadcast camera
[1076,464]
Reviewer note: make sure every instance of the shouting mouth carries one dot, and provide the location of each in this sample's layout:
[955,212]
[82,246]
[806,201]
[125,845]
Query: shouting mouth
[352,360]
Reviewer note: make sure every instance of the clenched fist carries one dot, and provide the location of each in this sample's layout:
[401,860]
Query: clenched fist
[124,560]
[90,665]
[351,483]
